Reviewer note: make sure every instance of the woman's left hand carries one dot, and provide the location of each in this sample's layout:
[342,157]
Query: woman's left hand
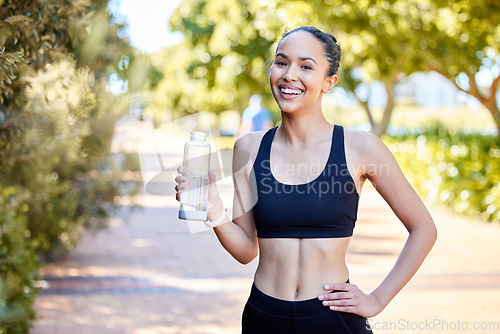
[349,298]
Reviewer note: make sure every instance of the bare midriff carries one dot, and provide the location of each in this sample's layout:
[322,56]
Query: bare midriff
[298,269]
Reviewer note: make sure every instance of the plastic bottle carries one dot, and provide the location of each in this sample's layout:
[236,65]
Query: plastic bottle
[196,163]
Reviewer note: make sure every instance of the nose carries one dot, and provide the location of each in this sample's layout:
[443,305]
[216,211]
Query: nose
[290,74]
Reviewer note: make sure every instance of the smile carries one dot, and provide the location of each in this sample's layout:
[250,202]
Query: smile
[290,91]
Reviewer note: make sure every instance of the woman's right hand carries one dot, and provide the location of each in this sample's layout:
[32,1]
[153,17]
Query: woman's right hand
[215,205]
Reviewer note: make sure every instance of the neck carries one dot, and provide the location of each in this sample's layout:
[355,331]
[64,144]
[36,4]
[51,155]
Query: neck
[303,129]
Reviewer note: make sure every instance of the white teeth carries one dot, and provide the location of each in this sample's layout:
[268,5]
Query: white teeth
[291,91]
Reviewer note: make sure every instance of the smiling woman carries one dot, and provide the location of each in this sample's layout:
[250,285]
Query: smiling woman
[296,71]
[302,219]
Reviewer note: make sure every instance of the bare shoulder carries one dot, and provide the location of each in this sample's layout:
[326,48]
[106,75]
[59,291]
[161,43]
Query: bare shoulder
[250,143]
[369,153]
[375,160]
[363,143]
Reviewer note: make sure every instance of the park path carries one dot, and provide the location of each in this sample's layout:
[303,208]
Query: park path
[147,274]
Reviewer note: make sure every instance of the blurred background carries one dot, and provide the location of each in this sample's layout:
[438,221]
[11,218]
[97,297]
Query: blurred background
[77,75]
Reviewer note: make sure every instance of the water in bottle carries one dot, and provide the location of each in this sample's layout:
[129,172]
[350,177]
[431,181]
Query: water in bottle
[196,163]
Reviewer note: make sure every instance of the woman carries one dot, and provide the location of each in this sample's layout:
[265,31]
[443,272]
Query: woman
[306,177]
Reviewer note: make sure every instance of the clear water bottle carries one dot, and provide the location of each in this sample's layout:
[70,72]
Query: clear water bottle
[196,163]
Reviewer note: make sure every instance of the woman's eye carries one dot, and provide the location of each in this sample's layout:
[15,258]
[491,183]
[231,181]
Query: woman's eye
[280,63]
[307,67]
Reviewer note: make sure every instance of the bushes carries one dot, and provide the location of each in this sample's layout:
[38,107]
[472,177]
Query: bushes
[59,157]
[457,169]
[18,265]
[56,179]
[56,124]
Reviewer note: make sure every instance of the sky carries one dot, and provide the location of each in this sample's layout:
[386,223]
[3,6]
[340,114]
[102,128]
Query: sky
[148,22]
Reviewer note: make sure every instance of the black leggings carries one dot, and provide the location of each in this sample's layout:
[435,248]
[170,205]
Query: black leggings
[264,314]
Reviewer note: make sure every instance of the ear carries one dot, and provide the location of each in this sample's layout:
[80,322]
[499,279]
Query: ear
[329,83]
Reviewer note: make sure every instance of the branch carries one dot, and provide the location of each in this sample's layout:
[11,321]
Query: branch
[494,85]
[491,101]
[367,110]
[474,93]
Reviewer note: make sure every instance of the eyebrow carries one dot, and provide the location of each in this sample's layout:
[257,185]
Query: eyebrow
[301,58]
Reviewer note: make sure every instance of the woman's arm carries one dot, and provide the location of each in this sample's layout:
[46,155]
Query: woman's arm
[238,236]
[380,167]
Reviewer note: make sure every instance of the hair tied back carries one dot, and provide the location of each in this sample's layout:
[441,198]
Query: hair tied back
[333,38]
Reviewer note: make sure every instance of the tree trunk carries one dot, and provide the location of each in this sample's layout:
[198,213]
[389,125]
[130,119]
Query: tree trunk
[368,112]
[495,112]
[491,103]
[381,127]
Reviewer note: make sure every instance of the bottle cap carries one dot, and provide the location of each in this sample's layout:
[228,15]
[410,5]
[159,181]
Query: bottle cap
[198,135]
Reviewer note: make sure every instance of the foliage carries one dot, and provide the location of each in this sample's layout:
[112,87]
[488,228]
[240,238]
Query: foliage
[228,44]
[390,40]
[457,169]
[34,33]
[18,265]
[73,120]
[57,119]
[459,39]
[377,43]
[222,61]
[56,125]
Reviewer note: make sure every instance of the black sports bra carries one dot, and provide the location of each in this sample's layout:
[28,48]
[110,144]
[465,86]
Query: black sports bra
[323,208]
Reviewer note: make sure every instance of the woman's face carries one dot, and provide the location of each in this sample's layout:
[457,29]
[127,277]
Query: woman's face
[298,75]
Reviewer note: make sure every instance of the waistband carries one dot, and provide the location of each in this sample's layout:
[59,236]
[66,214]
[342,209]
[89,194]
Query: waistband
[286,308]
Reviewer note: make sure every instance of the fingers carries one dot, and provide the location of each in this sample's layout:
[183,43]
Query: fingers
[343,294]
[349,309]
[335,295]
[339,287]
[335,289]
[345,298]
[180,180]
[338,300]
[349,298]
[180,187]
[350,305]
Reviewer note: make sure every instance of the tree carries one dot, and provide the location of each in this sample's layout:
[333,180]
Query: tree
[390,40]
[226,47]
[56,124]
[54,73]
[460,40]
[379,44]
[230,42]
